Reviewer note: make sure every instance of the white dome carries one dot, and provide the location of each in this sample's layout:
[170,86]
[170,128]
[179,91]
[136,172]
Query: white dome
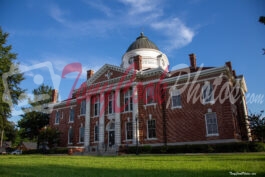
[151,56]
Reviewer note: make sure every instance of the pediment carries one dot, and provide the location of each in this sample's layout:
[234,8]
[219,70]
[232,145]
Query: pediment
[109,72]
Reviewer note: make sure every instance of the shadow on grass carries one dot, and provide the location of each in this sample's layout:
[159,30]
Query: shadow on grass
[70,171]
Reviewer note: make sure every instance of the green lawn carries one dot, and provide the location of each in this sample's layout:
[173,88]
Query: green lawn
[211,165]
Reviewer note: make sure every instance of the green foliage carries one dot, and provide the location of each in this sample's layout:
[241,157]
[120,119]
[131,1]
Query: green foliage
[31,124]
[58,150]
[49,135]
[201,148]
[42,96]
[10,132]
[37,116]
[10,91]
[257,125]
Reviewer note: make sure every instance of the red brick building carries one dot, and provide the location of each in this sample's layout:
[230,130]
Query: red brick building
[142,102]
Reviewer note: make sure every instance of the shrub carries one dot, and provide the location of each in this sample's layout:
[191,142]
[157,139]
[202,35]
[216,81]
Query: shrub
[201,148]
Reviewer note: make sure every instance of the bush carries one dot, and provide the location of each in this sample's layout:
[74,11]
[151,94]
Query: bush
[60,150]
[200,148]
[31,151]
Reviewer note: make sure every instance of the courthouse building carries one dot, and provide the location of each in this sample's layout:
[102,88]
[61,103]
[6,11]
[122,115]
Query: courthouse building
[142,102]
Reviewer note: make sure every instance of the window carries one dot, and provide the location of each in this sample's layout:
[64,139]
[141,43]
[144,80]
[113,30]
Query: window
[110,103]
[83,107]
[211,124]
[129,131]
[96,133]
[70,135]
[151,128]
[207,95]
[128,100]
[57,117]
[72,115]
[81,134]
[176,99]
[96,105]
[150,95]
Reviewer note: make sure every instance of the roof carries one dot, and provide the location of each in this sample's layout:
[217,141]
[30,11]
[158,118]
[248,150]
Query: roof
[30,145]
[142,42]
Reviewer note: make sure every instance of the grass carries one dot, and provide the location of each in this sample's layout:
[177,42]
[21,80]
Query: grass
[143,165]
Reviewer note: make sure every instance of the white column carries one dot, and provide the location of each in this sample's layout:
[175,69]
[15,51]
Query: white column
[87,123]
[135,113]
[117,118]
[101,119]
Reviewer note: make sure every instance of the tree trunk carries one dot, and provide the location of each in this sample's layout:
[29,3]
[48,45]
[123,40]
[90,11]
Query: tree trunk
[2,137]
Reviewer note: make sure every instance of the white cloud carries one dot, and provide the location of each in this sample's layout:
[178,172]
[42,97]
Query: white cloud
[56,13]
[142,14]
[142,6]
[177,33]
[100,6]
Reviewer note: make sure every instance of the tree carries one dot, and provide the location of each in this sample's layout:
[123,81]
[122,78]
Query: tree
[10,132]
[257,125]
[10,91]
[31,123]
[262,19]
[36,116]
[49,136]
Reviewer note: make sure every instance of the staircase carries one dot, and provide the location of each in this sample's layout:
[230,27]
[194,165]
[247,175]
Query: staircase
[102,150]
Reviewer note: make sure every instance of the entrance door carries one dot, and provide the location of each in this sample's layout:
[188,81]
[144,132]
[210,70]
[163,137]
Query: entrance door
[111,138]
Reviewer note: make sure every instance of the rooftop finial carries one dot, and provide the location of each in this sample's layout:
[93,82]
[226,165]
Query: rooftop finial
[142,33]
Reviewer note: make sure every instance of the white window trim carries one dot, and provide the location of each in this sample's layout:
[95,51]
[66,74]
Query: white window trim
[80,142]
[97,101]
[81,106]
[55,122]
[171,95]
[127,131]
[212,95]
[70,110]
[213,134]
[129,96]
[146,91]
[148,130]
[112,102]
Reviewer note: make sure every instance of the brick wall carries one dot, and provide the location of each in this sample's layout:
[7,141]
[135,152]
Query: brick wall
[183,124]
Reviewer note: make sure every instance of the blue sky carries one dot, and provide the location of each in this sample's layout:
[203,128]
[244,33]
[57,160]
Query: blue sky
[48,35]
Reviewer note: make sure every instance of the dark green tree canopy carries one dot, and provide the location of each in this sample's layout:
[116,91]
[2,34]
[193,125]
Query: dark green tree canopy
[37,116]
[10,79]
[257,125]
[31,124]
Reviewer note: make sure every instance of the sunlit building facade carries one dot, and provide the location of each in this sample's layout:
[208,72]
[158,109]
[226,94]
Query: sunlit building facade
[142,102]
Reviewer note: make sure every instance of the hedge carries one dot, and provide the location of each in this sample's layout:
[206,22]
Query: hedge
[198,148]
[60,150]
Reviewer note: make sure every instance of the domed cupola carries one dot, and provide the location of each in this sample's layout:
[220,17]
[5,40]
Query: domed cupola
[142,42]
[151,56]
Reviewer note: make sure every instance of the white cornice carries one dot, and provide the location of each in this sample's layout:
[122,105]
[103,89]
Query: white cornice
[194,74]
[106,67]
